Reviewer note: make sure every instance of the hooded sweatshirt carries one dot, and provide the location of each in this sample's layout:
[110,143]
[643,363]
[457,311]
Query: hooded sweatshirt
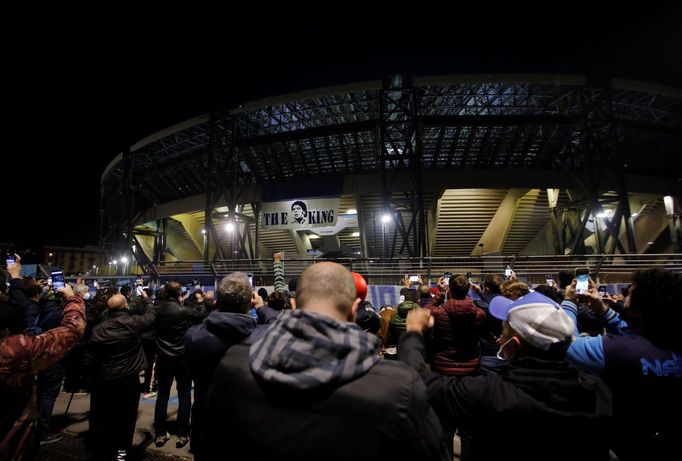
[297,392]
[321,351]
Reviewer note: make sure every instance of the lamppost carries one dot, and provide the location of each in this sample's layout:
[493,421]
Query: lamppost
[385,219]
[672,211]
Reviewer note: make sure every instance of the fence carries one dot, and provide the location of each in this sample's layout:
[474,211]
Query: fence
[532,269]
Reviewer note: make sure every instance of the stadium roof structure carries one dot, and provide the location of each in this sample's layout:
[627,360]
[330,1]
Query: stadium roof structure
[408,139]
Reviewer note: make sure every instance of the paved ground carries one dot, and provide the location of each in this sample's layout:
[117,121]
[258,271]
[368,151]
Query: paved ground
[75,426]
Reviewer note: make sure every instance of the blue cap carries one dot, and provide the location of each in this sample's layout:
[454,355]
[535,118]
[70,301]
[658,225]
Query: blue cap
[500,306]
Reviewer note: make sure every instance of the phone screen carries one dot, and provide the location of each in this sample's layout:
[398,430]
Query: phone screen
[250,276]
[446,277]
[507,272]
[57,279]
[11,260]
[581,282]
[602,291]
[414,278]
[184,290]
[549,280]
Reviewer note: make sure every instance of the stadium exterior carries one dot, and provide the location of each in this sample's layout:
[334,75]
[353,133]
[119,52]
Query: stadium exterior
[459,172]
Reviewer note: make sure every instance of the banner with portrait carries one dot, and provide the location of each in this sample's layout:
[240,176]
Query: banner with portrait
[307,213]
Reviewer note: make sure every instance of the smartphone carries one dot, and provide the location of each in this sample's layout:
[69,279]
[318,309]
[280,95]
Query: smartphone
[250,276]
[549,280]
[582,276]
[184,290]
[138,290]
[401,298]
[10,260]
[507,272]
[602,291]
[57,280]
[447,275]
[414,278]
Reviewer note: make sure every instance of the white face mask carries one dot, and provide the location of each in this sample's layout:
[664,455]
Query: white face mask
[499,351]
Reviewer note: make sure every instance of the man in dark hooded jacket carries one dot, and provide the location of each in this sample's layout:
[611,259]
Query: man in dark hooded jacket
[206,343]
[314,376]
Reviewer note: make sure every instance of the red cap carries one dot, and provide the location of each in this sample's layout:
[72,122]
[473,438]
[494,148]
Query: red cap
[360,285]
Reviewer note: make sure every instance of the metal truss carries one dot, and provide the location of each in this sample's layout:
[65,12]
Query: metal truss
[403,132]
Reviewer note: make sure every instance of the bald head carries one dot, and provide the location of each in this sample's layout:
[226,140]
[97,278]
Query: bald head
[117,302]
[326,284]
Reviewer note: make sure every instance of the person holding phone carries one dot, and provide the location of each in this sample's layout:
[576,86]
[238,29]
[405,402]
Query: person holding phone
[639,360]
[22,356]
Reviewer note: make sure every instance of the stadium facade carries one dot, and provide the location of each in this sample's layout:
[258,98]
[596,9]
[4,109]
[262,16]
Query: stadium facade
[408,168]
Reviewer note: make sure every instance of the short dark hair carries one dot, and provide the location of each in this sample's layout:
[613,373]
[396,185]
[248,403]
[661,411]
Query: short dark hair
[551,292]
[125,290]
[655,296]
[277,300]
[173,289]
[293,284]
[459,286]
[493,282]
[410,294]
[301,204]
[565,278]
[263,293]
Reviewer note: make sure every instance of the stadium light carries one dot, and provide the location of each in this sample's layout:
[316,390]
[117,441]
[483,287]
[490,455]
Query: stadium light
[229,227]
[385,218]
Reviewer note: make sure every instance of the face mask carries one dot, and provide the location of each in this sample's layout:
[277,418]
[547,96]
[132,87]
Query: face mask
[499,351]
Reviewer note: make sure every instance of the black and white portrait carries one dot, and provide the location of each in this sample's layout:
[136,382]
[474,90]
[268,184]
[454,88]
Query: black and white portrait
[300,211]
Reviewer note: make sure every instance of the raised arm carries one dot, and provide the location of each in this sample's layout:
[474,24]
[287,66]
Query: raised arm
[278,269]
[23,354]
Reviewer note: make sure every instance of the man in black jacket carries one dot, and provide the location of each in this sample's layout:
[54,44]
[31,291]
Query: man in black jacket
[116,357]
[312,378]
[172,322]
[536,406]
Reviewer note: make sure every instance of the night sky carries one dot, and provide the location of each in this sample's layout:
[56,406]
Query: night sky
[76,98]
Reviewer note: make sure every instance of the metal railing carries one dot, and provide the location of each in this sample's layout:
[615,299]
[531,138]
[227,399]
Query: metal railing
[532,269]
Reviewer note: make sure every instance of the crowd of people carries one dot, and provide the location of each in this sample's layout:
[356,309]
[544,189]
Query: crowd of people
[314,371]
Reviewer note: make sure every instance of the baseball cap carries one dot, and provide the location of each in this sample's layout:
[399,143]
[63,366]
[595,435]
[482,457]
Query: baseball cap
[536,318]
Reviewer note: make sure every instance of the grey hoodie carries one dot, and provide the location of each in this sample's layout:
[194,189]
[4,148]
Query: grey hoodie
[318,351]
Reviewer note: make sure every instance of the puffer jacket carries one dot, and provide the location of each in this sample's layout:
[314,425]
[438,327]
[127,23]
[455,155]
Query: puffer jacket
[456,347]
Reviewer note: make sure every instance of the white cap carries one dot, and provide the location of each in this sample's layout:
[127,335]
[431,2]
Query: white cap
[541,324]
